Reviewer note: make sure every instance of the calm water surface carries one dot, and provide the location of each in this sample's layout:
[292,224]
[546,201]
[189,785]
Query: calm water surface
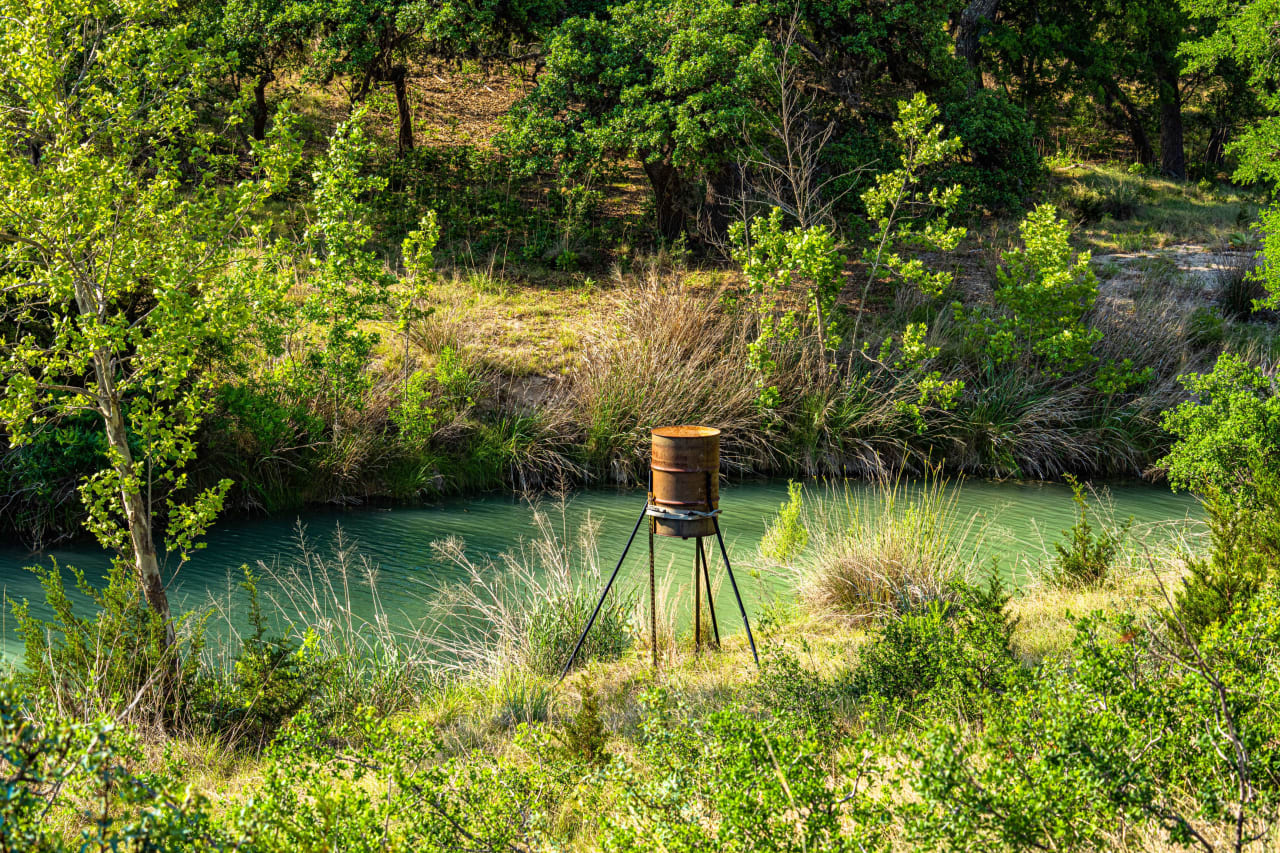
[1017,522]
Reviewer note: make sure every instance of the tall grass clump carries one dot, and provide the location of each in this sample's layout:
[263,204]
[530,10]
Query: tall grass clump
[673,356]
[524,611]
[888,551]
[366,657]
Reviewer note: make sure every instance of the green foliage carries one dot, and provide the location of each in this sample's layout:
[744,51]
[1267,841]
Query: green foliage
[955,652]
[1085,557]
[349,285]
[666,82]
[777,262]
[1044,291]
[119,271]
[554,626]
[1244,555]
[1137,731]
[999,168]
[113,662]
[1111,198]
[41,758]
[583,736]
[272,679]
[786,536]
[1230,428]
[906,212]
[730,781]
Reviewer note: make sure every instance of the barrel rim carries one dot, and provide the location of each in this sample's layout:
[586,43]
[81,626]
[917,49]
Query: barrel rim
[685,431]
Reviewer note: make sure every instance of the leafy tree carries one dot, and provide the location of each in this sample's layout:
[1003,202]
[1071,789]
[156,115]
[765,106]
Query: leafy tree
[1229,429]
[265,38]
[776,262]
[370,42]
[1244,37]
[113,269]
[666,82]
[1119,55]
[1044,290]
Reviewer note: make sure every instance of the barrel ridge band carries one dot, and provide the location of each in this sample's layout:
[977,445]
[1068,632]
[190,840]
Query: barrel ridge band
[669,470]
[679,515]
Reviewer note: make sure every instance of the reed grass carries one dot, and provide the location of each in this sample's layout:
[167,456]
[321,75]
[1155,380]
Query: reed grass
[379,659]
[887,551]
[524,610]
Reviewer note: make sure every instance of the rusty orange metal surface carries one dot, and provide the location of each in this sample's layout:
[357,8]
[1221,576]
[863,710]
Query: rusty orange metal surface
[685,461]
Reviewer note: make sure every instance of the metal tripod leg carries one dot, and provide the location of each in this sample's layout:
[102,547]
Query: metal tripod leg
[724,552]
[711,605]
[607,586]
[697,598]
[653,604]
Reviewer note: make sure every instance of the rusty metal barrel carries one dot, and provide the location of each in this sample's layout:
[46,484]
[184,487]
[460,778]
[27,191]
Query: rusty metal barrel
[685,461]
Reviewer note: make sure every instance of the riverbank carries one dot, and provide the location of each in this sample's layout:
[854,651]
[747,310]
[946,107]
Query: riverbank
[890,733]
[526,378]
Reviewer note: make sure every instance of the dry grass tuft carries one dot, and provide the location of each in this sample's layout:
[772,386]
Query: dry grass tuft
[888,552]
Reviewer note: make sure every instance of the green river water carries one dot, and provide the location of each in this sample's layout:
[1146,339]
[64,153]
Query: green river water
[1018,522]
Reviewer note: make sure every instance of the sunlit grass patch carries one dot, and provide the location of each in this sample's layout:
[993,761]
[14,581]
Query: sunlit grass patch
[1125,211]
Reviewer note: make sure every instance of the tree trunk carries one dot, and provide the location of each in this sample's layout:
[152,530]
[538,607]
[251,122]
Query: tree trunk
[1132,118]
[969,35]
[137,515]
[1173,158]
[1215,153]
[260,105]
[398,77]
[667,197]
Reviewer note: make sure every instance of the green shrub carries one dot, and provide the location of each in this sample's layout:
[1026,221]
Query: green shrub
[113,662]
[957,653]
[1043,291]
[786,687]
[1227,430]
[1240,290]
[1000,168]
[786,535]
[271,680]
[1085,557]
[583,737]
[44,758]
[1244,555]
[1137,736]
[526,611]
[522,698]
[889,552]
[734,782]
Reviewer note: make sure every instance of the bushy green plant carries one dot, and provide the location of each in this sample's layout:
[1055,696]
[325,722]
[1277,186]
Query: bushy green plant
[1085,556]
[526,611]
[44,758]
[1140,733]
[734,782]
[1043,291]
[114,661]
[522,697]
[786,687]
[1229,429]
[776,262]
[271,680]
[786,536]
[999,166]
[583,737]
[958,653]
[1244,555]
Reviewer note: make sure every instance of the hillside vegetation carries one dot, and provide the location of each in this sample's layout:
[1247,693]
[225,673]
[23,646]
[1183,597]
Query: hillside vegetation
[257,255]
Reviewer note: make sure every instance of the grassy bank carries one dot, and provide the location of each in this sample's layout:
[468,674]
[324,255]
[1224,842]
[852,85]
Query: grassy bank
[923,709]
